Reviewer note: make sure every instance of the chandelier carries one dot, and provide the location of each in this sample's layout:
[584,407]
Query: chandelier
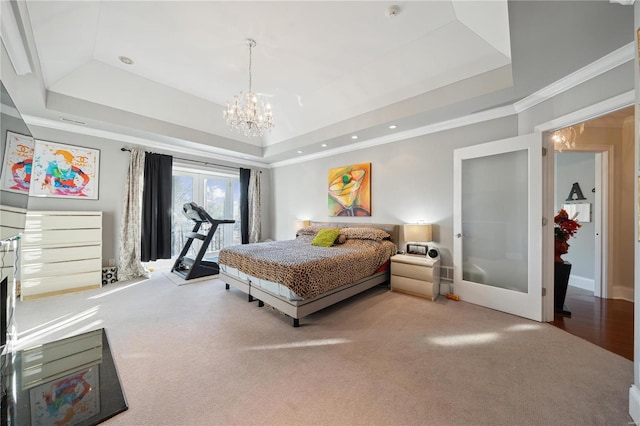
[248,114]
[566,138]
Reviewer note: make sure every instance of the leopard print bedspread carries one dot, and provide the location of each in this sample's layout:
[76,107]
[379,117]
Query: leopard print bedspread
[308,270]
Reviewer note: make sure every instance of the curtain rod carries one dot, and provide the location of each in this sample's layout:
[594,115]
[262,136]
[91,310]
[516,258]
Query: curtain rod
[197,161]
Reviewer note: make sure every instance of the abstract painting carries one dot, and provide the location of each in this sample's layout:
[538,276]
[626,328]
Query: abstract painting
[350,190]
[64,171]
[18,161]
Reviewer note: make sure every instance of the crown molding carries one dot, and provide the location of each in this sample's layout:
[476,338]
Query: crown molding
[608,105]
[10,111]
[608,62]
[202,151]
[466,120]
[12,39]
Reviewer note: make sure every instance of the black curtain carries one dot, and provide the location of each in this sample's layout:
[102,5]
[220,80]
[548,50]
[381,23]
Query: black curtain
[156,207]
[245,174]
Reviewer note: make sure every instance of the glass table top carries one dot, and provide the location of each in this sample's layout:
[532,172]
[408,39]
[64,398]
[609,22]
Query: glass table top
[71,381]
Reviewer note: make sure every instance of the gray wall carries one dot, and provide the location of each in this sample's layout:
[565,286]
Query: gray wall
[578,167]
[550,39]
[113,171]
[612,83]
[412,180]
[114,165]
[16,125]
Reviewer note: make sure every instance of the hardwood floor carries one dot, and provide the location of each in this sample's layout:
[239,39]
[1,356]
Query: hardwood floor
[605,322]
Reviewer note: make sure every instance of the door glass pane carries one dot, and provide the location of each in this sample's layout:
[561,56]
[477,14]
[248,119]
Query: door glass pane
[494,220]
[215,190]
[219,196]
[183,189]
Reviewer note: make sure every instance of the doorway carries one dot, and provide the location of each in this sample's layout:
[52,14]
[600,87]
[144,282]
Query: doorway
[601,311]
[581,189]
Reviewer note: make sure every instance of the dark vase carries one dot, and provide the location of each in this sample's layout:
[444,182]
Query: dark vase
[562,271]
[560,247]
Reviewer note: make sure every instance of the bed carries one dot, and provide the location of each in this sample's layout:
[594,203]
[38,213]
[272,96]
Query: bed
[297,278]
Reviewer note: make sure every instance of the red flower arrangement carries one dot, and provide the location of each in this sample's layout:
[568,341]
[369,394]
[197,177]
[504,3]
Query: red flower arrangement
[564,229]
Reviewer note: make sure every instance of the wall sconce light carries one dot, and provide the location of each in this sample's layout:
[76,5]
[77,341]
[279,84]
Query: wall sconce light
[301,223]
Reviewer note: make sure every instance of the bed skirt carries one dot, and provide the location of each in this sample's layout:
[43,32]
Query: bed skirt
[297,309]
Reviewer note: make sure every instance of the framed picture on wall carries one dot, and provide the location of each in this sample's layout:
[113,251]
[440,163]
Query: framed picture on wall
[65,171]
[18,162]
[350,190]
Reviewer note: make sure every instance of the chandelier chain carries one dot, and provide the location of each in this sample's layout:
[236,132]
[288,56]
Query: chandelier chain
[250,46]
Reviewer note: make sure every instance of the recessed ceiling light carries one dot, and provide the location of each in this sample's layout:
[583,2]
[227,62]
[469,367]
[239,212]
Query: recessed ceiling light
[392,11]
[354,137]
[299,152]
[125,60]
[393,126]
[69,120]
[324,145]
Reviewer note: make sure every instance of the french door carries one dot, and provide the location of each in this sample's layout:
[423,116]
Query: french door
[498,225]
[218,194]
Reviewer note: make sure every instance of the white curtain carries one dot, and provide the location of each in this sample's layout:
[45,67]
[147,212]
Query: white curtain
[129,264]
[254,206]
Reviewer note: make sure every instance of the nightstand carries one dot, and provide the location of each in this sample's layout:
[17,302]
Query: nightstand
[416,275]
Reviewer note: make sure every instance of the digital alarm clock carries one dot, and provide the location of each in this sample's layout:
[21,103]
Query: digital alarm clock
[417,249]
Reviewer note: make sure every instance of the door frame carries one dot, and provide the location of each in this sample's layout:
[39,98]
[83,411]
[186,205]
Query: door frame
[604,156]
[601,108]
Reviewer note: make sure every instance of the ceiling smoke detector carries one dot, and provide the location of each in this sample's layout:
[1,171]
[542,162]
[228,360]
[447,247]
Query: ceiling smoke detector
[393,11]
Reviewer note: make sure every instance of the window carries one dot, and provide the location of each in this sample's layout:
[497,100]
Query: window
[218,194]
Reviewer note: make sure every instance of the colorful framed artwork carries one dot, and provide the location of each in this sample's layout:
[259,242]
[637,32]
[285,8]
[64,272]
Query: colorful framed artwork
[350,190]
[18,162]
[64,171]
[69,400]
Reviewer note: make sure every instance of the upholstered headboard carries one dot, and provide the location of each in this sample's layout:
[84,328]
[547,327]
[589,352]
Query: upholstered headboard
[393,230]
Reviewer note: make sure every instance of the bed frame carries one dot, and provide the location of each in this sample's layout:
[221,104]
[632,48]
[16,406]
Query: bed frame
[297,309]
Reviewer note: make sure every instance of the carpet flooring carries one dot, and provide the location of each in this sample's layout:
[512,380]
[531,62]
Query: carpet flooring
[201,355]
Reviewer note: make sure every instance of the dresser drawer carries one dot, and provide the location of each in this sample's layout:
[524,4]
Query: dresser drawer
[37,287]
[54,269]
[61,254]
[415,287]
[418,272]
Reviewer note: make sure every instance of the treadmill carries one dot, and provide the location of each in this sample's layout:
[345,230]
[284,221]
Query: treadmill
[187,267]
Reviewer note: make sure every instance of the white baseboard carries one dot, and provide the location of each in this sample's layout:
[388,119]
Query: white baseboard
[582,282]
[624,293]
[634,403]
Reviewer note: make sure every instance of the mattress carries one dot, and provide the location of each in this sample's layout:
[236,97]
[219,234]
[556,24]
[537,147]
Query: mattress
[270,286]
[298,270]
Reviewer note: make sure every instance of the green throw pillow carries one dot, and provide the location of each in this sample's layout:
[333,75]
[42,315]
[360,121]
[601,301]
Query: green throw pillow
[325,237]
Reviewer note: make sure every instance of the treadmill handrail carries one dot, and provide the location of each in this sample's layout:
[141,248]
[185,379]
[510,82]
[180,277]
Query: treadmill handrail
[202,214]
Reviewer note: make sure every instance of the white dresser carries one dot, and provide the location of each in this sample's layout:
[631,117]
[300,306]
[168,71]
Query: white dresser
[61,252]
[416,275]
[11,224]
